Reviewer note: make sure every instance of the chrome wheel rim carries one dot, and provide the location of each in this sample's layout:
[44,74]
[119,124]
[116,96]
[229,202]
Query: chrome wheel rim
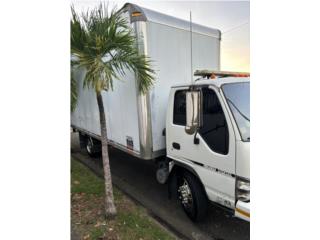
[89,145]
[185,195]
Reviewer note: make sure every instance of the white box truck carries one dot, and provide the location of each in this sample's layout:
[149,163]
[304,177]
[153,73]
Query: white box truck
[196,130]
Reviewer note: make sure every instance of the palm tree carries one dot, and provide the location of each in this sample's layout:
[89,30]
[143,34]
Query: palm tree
[73,88]
[104,44]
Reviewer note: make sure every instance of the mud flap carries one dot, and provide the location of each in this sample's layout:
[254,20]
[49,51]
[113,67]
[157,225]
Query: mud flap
[83,140]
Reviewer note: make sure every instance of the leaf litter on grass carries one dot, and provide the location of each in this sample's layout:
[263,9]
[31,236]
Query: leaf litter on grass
[87,211]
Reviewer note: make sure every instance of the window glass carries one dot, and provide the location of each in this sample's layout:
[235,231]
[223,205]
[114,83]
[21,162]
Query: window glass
[179,112]
[215,129]
[238,99]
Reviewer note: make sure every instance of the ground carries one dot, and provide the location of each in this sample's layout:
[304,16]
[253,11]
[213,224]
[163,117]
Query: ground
[137,179]
[87,212]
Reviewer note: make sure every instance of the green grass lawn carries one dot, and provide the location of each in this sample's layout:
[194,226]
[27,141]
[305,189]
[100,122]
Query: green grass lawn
[87,211]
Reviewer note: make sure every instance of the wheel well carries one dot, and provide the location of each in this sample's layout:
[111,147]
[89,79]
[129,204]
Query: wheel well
[83,138]
[179,168]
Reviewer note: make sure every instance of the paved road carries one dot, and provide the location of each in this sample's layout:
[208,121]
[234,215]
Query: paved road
[137,178]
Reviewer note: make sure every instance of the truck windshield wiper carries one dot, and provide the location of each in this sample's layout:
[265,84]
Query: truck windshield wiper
[244,116]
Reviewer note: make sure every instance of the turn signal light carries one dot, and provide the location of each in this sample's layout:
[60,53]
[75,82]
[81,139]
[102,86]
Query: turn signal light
[136,14]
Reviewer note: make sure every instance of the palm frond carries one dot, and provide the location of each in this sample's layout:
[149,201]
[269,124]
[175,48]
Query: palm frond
[106,46]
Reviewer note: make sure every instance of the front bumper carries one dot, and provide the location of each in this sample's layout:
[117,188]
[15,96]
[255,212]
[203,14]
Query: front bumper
[243,210]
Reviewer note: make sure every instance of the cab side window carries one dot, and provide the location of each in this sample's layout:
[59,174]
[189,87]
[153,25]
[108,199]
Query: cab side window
[179,109]
[215,129]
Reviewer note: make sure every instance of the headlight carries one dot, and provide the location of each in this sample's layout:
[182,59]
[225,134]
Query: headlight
[243,190]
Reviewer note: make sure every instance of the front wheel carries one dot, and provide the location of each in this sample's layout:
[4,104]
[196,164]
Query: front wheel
[192,196]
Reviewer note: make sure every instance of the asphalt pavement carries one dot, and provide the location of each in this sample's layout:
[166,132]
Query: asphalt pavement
[136,178]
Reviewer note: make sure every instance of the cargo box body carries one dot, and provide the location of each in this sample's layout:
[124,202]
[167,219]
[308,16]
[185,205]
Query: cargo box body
[136,122]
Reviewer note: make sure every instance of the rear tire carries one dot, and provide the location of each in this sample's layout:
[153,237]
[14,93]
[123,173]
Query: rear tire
[192,197]
[93,147]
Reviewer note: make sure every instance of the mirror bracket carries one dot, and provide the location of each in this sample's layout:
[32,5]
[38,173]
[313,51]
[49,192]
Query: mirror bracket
[196,140]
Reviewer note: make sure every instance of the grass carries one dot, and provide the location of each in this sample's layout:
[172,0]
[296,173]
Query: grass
[87,211]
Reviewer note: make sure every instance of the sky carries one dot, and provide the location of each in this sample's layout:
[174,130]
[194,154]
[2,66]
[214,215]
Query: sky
[232,18]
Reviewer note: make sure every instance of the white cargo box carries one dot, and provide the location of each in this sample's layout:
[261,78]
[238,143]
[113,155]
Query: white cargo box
[135,122]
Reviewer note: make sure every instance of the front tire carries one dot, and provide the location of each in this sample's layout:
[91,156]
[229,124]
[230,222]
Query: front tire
[192,196]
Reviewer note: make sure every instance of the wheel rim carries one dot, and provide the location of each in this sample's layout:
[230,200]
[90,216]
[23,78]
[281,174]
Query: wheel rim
[89,145]
[185,195]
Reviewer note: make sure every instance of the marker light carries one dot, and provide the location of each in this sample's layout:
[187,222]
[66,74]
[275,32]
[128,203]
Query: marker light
[136,14]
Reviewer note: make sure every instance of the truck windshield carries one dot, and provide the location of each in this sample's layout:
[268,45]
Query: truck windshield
[238,98]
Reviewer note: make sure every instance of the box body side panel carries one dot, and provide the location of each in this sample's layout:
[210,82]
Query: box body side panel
[170,50]
[86,113]
[120,107]
[122,112]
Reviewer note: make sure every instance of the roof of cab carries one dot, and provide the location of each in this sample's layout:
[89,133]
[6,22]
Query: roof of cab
[218,82]
[138,13]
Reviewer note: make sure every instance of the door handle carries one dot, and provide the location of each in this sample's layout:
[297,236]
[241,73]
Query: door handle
[176,145]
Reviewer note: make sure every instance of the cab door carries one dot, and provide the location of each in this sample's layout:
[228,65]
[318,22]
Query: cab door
[212,156]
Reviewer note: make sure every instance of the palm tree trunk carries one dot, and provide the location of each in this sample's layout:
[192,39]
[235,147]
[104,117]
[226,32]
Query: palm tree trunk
[109,201]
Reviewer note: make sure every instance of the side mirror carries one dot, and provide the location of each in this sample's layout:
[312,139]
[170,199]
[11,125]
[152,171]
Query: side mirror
[193,111]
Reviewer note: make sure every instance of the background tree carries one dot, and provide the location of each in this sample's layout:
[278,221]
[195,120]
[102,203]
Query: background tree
[104,44]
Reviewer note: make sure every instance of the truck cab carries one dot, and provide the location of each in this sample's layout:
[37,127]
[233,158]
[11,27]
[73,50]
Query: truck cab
[208,143]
